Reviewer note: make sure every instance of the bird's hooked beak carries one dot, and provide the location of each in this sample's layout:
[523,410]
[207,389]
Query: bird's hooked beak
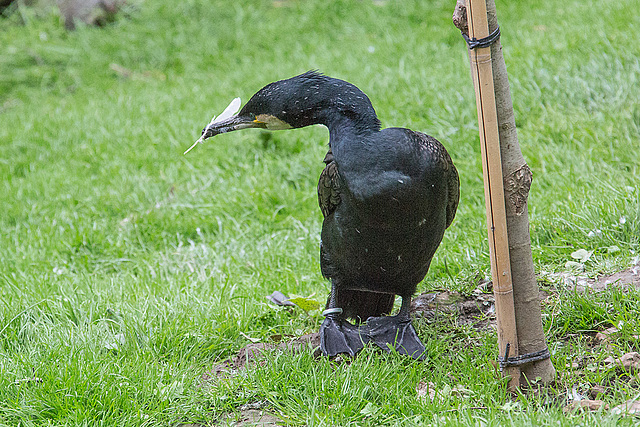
[228,121]
[235,122]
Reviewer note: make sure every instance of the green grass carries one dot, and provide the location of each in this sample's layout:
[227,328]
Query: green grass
[128,270]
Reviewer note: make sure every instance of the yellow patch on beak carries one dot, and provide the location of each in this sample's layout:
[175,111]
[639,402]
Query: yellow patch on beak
[272,122]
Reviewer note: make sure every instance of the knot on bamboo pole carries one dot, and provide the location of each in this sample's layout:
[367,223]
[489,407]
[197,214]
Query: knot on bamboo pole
[516,187]
[460,17]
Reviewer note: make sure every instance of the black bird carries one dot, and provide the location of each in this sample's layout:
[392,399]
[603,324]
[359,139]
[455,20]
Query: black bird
[387,197]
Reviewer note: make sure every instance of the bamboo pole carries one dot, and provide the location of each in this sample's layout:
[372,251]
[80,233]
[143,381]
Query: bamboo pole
[493,188]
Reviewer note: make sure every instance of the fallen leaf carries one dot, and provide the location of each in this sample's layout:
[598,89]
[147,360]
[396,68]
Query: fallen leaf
[594,232]
[628,362]
[576,396]
[278,298]
[253,340]
[307,304]
[596,391]
[510,406]
[461,391]
[604,335]
[586,404]
[582,255]
[118,341]
[426,390]
[630,407]
[370,410]
[572,265]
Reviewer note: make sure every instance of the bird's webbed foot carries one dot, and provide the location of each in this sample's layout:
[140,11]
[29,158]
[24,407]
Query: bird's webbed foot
[398,333]
[338,336]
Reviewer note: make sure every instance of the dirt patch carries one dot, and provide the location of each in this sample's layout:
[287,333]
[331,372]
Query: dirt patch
[477,309]
[255,352]
[252,417]
[248,415]
[252,352]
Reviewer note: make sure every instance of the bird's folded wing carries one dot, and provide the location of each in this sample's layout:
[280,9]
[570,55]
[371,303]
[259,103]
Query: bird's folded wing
[329,186]
[454,192]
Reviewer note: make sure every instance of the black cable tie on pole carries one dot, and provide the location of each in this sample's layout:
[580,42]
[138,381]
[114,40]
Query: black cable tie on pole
[524,359]
[483,42]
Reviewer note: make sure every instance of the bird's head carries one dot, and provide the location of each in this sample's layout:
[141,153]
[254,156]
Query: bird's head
[261,112]
[310,98]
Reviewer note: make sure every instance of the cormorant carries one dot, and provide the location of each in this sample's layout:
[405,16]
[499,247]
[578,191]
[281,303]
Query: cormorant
[387,196]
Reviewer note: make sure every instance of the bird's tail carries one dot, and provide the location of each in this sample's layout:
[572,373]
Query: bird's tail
[360,305]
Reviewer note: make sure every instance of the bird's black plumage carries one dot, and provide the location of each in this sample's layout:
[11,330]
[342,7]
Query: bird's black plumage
[387,197]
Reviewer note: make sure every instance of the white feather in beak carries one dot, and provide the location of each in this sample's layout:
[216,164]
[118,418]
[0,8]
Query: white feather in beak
[231,109]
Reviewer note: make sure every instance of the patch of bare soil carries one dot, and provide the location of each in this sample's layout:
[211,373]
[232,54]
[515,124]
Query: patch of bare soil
[248,415]
[251,417]
[255,352]
[477,309]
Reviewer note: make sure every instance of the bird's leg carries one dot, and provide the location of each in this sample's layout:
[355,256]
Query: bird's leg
[403,314]
[397,332]
[336,334]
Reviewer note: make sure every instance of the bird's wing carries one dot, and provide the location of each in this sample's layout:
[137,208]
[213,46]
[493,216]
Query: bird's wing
[329,186]
[435,152]
[454,191]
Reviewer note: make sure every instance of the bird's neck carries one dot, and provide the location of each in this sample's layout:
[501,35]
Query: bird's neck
[340,106]
[351,131]
[349,128]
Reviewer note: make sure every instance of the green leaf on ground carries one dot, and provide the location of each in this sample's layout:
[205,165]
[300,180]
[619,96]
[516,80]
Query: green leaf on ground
[307,304]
